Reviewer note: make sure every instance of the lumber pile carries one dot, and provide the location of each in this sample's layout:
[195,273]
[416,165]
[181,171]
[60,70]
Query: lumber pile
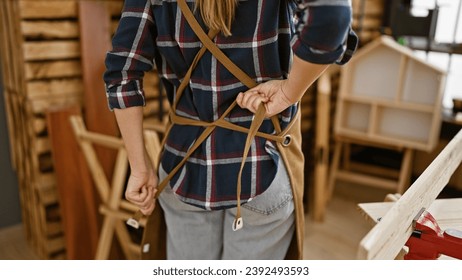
[40,59]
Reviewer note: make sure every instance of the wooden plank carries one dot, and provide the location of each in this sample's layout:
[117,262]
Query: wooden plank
[54,245]
[391,140]
[62,29]
[321,146]
[40,145]
[405,174]
[374,170]
[54,228]
[51,50]
[39,9]
[367,180]
[46,179]
[37,126]
[424,108]
[74,187]
[52,69]
[387,238]
[17,46]
[39,106]
[5,26]
[47,195]
[11,130]
[10,45]
[95,41]
[54,88]
[447,212]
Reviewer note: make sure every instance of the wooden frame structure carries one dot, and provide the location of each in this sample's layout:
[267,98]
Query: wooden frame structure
[114,208]
[367,174]
[398,108]
[321,149]
[388,237]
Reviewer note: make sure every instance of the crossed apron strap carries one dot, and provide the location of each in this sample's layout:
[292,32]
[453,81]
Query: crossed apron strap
[259,117]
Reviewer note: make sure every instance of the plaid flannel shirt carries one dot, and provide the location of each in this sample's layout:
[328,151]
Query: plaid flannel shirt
[266,33]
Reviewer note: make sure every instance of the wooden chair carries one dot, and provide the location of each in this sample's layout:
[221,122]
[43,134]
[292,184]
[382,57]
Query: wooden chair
[388,236]
[114,208]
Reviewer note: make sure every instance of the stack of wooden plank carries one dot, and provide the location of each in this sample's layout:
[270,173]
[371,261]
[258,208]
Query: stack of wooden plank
[41,67]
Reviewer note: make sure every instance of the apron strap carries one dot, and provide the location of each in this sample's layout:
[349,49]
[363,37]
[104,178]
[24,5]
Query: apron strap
[259,117]
[246,80]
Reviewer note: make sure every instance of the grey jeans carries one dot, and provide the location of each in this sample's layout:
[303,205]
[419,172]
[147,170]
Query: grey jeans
[194,233]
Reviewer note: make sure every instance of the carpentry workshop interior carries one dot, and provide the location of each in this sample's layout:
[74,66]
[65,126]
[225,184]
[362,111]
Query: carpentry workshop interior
[380,136]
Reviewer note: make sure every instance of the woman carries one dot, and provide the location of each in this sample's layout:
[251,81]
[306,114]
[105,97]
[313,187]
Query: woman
[266,39]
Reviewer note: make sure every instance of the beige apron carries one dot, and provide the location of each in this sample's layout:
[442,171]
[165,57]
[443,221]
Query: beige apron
[288,144]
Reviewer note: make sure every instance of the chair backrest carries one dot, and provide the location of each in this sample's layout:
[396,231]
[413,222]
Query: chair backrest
[115,209]
[389,235]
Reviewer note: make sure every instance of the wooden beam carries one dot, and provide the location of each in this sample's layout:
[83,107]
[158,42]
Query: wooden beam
[94,22]
[51,50]
[62,29]
[47,9]
[387,238]
[53,69]
[321,146]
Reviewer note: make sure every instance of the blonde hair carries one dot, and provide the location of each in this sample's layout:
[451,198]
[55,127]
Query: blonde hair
[217,14]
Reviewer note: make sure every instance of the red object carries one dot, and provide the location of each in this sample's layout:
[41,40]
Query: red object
[429,241]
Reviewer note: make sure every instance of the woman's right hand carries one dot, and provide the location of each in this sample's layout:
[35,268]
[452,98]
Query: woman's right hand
[141,188]
[271,93]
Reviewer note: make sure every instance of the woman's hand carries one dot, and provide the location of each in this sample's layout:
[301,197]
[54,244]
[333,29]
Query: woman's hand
[271,93]
[280,94]
[141,188]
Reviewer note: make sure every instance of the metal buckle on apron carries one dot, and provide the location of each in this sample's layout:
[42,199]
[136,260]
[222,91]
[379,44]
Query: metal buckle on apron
[287,140]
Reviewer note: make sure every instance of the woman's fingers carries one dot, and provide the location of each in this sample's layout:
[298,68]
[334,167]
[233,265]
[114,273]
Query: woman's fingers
[141,191]
[147,206]
[250,100]
[143,199]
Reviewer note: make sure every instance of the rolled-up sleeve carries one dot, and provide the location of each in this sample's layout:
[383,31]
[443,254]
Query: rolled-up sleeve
[322,29]
[131,55]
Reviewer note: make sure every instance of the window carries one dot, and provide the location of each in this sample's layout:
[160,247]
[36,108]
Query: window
[448,43]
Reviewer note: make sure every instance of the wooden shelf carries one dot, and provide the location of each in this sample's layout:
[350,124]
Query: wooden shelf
[387,95]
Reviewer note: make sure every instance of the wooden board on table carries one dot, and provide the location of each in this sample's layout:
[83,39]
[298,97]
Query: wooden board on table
[447,212]
[388,236]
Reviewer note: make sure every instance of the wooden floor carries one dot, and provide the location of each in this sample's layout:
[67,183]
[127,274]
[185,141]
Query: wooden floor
[337,238]
[13,245]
